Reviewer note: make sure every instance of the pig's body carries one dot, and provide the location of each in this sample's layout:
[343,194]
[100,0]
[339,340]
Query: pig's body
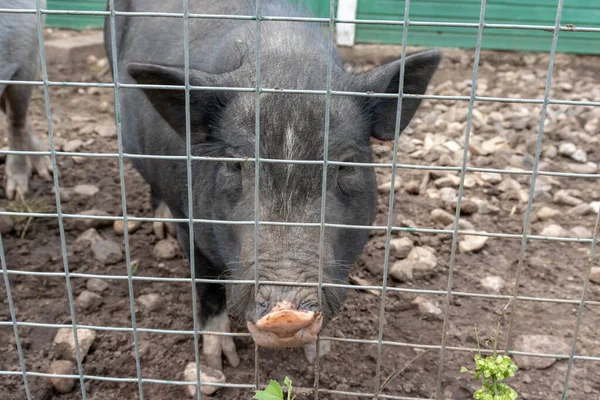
[293,56]
[19,61]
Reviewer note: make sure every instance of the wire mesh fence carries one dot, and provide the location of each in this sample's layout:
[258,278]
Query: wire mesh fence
[388,229]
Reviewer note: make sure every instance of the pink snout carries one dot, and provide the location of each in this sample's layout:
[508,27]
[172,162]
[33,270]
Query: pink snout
[286,327]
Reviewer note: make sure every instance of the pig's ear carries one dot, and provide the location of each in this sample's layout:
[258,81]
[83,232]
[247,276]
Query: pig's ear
[418,70]
[170,103]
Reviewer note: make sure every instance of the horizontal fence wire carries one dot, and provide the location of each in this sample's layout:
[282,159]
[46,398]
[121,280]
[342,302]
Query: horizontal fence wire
[473,98]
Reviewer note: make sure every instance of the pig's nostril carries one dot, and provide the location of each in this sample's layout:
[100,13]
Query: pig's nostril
[260,310]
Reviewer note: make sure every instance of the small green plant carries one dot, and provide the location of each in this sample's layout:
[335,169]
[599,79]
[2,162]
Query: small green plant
[492,370]
[274,391]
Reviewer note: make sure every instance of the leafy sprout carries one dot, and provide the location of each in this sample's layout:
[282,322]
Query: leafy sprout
[274,391]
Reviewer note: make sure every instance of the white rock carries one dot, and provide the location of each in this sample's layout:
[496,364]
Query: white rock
[580,232]
[463,225]
[509,184]
[581,210]
[72,145]
[555,230]
[87,239]
[566,149]
[595,206]
[107,252]
[587,168]
[166,249]
[542,344]
[62,367]
[545,213]
[85,223]
[107,131]
[207,374]
[595,275]
[132,226]
[88,300]
[96,285]
[86,190]
[401,246]
[386,188]
[493,283]
[150,302]
[472,243]
[427,309]
[420,259]
[448,195]
[442,217]
[579,156]
[447,181]
[565,197]
[65,343]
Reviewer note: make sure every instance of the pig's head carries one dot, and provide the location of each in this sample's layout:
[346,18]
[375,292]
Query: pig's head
[292,127]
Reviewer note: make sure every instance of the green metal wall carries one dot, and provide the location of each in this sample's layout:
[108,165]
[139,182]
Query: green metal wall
[581,13]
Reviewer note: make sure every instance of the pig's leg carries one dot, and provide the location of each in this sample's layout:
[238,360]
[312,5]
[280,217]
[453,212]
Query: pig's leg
[20,138]
[213,315]
[162,229]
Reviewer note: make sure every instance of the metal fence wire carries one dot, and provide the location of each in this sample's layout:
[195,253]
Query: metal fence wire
[389,228]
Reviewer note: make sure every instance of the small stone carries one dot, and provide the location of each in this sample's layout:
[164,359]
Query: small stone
[491,177]
[83,224]
[427,309]
[87,130]
[545,213]
[463,225]
[107,252]
[468,207]
[86,190]
[595,275]
[420,259]
[566,149]
[62,367]
[413,187]
[87,239]
[550,152]
[447,181]
[448,195]
[88,300]
[132,226]
[207,374]
[580,232]
[150,302]
[65,343]
[472,243]
[580,156]
[385,188]
[107,131]
[509,184]
[587,168]
[493,283]
[6,223]
[564,197]
[442,217]
[595,206]
[401,246]
[310,350]
[581,210]
[96,285]
[542,344]
[555,231]
[166,249]
[72,145]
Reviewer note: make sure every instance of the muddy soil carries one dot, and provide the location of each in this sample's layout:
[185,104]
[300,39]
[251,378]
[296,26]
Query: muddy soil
[552,270]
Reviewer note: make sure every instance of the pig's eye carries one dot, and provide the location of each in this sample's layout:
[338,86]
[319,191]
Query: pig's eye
[346,169]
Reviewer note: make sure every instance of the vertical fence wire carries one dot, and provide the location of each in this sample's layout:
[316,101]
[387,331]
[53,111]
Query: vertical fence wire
[330,50]
[257,177]
[536,163]
[13,319]
[390,219]
[190,182]
[461,187]
[122,185]
[61,227]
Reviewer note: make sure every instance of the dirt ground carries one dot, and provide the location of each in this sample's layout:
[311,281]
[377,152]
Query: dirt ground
[551,269]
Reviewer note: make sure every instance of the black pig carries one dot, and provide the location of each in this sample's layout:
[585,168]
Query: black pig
[293,56]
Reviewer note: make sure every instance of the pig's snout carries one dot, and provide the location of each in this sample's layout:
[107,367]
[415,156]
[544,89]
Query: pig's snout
[286,326]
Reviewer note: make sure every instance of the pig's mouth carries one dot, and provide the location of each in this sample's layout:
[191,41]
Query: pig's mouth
[285,327]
